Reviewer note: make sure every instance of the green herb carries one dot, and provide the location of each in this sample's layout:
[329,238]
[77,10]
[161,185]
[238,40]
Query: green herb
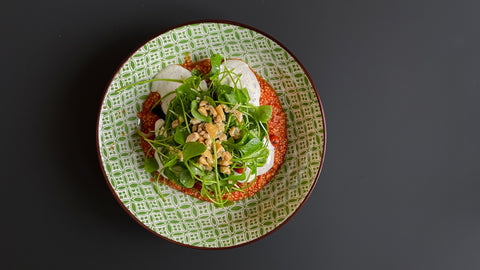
[157,188]
[192,149]
[215,61]
[180,174]
[181,134]
[262,113]
[251,146]
[172,160]
[196,72]
[151,165]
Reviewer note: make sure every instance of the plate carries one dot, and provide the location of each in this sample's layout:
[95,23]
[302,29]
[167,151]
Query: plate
[183,219]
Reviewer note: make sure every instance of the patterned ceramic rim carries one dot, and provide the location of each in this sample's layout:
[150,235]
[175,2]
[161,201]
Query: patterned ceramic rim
[184,220]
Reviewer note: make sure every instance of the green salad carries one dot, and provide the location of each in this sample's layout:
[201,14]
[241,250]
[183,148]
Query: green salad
[211,137]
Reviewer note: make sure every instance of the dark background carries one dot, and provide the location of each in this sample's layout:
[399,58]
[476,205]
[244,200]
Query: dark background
[400,85]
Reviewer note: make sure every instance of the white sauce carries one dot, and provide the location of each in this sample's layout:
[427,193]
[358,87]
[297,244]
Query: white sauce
[247,80]
[269,164]
[175,72]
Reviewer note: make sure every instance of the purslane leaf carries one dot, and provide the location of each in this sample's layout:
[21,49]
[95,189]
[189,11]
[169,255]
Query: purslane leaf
[263,113]
[215,61]
[192,149]
[151,165]
[251,146]
[181,134]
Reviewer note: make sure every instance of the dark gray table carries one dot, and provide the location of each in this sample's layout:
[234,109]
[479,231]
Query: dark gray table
[400,84]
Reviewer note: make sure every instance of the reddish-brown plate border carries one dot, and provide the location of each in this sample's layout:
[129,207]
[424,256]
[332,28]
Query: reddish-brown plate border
[319,103]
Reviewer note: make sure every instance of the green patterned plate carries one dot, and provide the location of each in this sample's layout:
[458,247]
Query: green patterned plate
[183,219]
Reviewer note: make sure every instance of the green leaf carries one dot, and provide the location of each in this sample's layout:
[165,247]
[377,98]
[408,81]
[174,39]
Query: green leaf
[223,90]
[151,165]
[171,174]
[181,134]
[196,72]
[197,170]
[193,82]
[186,179]
[251,146]
[261,156]
[209,178]
[180,174]
[232,95]
[263,113]
[210,101]
[192,149]
[237,177]
[216,61]
[243,95]
[186,91]
[171,161]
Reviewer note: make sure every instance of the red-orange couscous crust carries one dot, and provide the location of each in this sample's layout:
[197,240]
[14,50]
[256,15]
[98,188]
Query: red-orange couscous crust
[277,130]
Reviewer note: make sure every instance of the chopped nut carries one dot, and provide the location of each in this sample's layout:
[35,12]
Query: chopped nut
[219,149]
[203,161]
[193,137]
[202,111]
[203,103]
[222,137]
[239,116]
[211,129]
[225,169]
[175,124]
[235,133]
[227,156]
[195,121]
[212,110]
[224,163]
[219,110]
[208,143]
[220,127]
[209,158]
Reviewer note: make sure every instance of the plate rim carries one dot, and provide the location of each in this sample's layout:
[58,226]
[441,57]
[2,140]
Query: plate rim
[218,22]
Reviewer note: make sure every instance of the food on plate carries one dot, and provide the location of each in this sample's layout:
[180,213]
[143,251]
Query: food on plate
[212,129]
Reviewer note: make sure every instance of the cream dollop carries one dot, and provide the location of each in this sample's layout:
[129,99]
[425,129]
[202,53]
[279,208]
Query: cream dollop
[246,80]
[175,72]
